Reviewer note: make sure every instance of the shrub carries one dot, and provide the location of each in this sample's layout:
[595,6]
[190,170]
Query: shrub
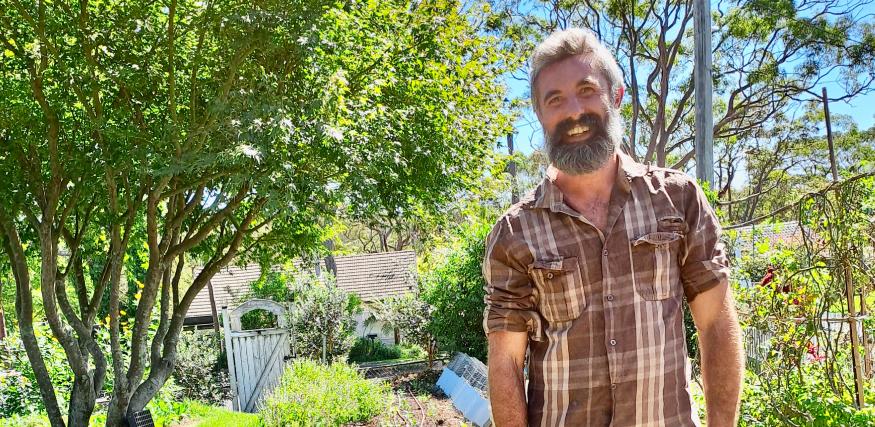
[19,392]
[412,351]
[319,310]
[323,311]
[32,420]
[310,393]
[803,399]
[455,289]
[412,316]
[198,371]
[366,350]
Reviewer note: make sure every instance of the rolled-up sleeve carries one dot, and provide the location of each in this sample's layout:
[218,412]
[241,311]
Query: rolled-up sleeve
[704,264]
[510,299]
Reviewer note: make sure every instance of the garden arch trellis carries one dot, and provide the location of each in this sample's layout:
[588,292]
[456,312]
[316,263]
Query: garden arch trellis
[255,357]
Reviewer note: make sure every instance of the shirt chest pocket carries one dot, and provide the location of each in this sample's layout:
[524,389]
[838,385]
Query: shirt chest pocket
[654,264]
[561,297]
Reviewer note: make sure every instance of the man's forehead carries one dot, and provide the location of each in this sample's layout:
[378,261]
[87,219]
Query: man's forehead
[572,70]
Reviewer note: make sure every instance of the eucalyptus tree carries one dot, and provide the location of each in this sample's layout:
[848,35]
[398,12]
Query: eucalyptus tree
[769,58]
[213,131]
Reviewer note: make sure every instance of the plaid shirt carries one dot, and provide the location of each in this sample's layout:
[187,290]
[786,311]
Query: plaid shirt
[603,309]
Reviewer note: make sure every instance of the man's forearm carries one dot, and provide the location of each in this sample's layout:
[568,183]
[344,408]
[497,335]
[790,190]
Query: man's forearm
[507,393]
[722,369]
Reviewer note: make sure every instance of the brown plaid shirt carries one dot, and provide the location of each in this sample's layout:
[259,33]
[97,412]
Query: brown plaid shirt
[603,310]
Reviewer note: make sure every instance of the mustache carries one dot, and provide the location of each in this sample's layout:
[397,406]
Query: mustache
[590,120]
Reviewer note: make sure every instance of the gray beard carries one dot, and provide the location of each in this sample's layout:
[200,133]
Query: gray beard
[588,156]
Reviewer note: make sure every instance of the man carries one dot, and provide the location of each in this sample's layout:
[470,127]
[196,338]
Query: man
[589,271]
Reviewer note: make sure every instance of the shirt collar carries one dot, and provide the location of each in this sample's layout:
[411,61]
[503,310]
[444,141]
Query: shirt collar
[549,196]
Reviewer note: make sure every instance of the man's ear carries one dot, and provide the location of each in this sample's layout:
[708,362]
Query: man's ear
[618,99]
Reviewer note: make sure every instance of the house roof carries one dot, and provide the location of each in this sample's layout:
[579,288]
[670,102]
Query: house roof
[370,276]
[776,233]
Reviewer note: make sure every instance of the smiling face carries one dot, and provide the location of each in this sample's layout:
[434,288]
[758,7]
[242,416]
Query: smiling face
[579,114]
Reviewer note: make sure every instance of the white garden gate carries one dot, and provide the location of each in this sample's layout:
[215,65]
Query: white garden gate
[255,357]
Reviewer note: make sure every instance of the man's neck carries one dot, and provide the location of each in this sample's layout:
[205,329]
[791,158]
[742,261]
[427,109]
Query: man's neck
[589,187]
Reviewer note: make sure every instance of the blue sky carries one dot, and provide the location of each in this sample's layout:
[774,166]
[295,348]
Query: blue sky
[528,134]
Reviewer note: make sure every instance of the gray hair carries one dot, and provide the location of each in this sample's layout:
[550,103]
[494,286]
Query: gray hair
[572,42]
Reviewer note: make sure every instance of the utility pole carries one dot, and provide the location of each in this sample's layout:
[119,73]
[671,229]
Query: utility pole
[511,168]
[703,86]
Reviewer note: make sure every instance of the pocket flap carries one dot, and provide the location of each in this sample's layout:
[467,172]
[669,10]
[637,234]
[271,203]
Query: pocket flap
[559,264]
[672,223]
[657,238]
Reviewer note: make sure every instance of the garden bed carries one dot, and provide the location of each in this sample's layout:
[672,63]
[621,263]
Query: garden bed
[418,401]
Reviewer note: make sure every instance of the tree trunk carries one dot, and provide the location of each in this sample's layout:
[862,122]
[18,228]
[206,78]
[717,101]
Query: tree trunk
[24,310]
[2,316]
[115,415]
[329,258]
[82,401]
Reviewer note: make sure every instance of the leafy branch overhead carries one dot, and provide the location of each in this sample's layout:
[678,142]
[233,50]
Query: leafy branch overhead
[211,133]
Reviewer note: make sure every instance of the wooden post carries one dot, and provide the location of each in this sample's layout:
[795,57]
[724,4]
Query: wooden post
[511,168]
[2,316]
[213,307]
[846,273]
[229,354]
[2,324]
[703,85]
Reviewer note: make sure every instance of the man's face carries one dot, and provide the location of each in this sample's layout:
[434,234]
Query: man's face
[579,114]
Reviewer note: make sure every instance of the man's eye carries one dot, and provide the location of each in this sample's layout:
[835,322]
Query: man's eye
[553,100]
[586,90]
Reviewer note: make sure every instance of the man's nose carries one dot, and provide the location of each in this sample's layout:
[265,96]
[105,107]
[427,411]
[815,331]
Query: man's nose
[575,108]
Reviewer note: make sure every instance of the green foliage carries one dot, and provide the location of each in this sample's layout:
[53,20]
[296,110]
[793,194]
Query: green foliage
[366,350]
[323,313]
[454,287]
[328,395]
[272,285]
[19,394]
[171,412]
[220,132]
[199,372]
[412,316]
[800,367]
[32,420]
[804,399]
[211,416]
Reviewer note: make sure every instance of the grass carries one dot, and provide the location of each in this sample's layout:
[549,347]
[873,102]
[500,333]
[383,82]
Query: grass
[189,413]
[367,351]
[32,420]
[211,416]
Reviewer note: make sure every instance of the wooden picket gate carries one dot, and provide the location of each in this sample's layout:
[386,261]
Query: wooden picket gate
[255,357]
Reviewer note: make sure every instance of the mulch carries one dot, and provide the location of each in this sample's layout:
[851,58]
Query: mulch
[419,402]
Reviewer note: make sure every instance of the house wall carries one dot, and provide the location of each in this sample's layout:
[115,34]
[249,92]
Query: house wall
[362,330]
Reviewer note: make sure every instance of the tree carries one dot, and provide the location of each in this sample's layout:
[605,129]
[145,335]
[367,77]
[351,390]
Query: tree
[783,167]
[411,315]
[768,58]
[213,132]
[455,288]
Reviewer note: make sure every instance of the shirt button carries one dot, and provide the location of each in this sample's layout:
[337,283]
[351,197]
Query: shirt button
[605,253]
[613,342]
[610,297]
[549,275]
[613,386]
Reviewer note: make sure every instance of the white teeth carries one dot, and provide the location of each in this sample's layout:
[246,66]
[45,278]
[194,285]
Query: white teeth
[577,130]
